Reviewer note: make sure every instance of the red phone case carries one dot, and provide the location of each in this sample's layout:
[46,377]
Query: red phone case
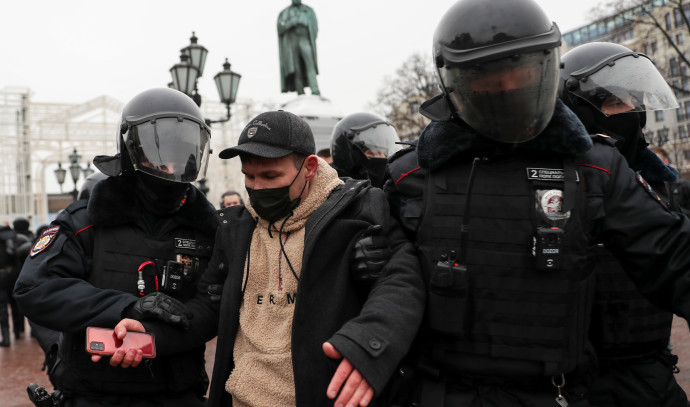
[103,341]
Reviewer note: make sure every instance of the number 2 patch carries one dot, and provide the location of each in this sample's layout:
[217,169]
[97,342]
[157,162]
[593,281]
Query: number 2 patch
[45,240]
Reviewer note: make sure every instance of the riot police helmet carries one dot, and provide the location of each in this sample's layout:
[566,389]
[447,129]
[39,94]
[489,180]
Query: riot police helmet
[162,133]
[360,145]
[610,88]
[498,64]
[613,79]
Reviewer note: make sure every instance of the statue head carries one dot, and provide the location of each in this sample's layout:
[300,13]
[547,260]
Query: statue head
[296,2]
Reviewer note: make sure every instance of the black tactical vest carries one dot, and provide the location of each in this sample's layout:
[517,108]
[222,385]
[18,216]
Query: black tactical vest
[624,323]
[518,303]
[118,252]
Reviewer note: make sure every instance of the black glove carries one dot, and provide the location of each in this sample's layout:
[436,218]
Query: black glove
[159,306]
[370,254]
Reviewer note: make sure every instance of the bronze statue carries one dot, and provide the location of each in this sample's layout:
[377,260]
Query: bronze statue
[297,29]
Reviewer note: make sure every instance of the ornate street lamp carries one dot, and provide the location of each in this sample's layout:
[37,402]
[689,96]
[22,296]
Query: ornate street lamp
[184,76]
[227,83]
[197,54]
[60,174]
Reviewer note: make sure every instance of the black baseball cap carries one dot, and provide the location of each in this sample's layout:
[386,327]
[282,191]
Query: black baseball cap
[274,135]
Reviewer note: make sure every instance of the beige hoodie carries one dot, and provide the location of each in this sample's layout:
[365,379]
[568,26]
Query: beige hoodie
[263,374]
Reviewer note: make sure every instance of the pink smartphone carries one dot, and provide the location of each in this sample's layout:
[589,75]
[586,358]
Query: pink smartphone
[103,341]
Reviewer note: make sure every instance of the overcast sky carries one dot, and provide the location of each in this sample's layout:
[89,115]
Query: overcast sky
[76,50]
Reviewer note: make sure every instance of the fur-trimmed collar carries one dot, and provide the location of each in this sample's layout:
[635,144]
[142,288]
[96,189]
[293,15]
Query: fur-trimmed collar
[113,202]
[440,141]
[653,169]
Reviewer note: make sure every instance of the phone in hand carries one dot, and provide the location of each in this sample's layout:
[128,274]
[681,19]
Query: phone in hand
[103,341]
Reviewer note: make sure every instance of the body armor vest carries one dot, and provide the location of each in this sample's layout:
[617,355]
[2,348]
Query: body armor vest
[624,323]
[118,252]
[509,274]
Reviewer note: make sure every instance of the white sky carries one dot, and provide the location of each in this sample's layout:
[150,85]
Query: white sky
[76,50]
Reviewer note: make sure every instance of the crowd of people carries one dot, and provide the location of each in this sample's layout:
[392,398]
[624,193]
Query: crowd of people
[528,249]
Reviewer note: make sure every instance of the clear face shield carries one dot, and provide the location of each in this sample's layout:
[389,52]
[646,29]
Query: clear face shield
[627,83]
[511,99]
[172,148]
[376,140]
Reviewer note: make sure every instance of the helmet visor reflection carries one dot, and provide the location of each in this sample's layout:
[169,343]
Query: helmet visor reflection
[174,149]
[629,84]
[377,141]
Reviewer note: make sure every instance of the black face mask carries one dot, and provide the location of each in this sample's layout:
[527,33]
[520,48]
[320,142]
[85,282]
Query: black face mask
[159,196]
[376,168]
[273,204]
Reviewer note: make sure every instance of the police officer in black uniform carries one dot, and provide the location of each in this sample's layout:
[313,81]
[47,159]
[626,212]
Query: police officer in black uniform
[611,88]
[505,196]
[135,248]
[360,146]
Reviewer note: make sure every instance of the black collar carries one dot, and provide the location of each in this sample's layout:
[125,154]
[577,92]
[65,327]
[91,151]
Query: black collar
[440,141]
[112,203]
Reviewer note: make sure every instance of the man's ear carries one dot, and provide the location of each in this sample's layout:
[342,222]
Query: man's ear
[311,165]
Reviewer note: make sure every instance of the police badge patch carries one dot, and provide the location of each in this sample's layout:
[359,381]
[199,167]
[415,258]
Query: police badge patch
[550,206]
[45,240]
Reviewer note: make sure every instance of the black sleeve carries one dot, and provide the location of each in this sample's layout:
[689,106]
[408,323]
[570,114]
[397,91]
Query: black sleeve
[651,242]
[52,290]
[378,338]
[404,187]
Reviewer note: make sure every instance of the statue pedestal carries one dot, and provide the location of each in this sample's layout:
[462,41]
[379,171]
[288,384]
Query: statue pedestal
[319,112]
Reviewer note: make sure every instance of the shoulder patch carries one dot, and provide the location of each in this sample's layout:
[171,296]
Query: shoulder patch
[45,240]
[651,191]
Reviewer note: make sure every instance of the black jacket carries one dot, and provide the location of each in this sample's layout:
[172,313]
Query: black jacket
[624,214]
[372,330]
[54,291]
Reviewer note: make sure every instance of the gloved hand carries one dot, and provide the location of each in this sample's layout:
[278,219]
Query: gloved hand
[370,255]
[159,306]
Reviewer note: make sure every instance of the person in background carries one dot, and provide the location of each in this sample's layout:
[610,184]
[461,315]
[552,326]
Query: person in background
[230,198]
[361,144]
[325,154]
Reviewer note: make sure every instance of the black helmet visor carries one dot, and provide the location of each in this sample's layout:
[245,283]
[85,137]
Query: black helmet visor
[172,148]
[627,83]
[378,140]
[510,100]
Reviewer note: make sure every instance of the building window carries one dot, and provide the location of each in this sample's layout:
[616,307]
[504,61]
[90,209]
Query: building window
[659,115]
[679,114]
[682,133]
[679,39]
[673,64]
[686,134]
[679,17]
[653,47]
[687,109]
[676,88]
[667,17]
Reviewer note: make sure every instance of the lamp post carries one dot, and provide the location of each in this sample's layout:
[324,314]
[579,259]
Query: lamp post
[186,74]
[75,171]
